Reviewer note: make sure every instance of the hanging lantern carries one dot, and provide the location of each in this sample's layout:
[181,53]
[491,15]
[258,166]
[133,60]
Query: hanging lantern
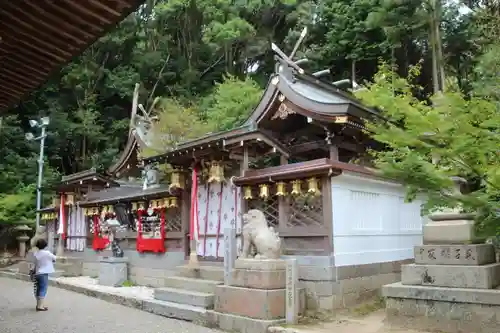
[165,202]
[176,180]
[152,204]
[134,206]
[159,204]
[111,210]
[216,172]
[296,187]
[313,187]
[84,211]
[280,189]
[70,199]
[247,193]
[264,191]
[173,202]
[140,206]
[95,211]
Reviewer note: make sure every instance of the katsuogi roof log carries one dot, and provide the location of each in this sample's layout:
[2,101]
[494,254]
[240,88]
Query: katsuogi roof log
[39,37]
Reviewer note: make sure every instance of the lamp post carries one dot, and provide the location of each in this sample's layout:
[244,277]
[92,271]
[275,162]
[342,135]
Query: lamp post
[42,124]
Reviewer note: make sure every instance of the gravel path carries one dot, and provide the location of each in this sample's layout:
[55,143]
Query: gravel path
[75,313]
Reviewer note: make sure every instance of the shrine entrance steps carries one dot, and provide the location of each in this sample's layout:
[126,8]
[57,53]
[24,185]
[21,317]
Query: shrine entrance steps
[190,294]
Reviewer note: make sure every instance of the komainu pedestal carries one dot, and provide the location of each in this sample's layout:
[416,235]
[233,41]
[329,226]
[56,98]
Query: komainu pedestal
[451,286]
[256,297]
[113,271]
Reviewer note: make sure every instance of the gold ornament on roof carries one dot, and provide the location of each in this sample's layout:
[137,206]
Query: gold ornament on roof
[296,187]
[313,187]
[216,172]
[264,191]
[176,180]
[247,195]
[280,189]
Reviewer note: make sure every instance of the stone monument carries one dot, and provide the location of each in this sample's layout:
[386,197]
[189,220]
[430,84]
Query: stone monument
[451,285]
[254,297]
[113,271]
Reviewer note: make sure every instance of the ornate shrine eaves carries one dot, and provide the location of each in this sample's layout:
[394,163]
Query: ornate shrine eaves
[38,37]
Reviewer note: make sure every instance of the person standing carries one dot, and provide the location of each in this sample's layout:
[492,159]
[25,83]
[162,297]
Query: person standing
[44,265]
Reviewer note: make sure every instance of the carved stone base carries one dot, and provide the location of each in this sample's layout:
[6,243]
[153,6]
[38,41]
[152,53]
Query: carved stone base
[458,254]
[451,276]
[257,304]
[113,272]
[450,232]
[259,274]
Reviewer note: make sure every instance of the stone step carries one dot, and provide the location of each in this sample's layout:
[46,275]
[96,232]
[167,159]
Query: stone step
[186,283]
[198,315]
[181,296]
[215,273]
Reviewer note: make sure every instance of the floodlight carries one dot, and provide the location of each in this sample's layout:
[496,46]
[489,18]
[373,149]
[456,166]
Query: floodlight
[29,136]
[45,121]
[33,123]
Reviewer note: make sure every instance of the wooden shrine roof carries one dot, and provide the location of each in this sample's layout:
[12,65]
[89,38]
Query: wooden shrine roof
[39,37]
[312,168]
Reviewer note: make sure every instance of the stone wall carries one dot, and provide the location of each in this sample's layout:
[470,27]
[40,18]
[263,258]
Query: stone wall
[147,269]
[329,287]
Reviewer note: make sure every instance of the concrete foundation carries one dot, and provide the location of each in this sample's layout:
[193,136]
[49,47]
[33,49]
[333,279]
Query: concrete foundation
[113,271]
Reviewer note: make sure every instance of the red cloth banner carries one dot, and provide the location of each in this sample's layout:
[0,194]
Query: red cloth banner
[99,243]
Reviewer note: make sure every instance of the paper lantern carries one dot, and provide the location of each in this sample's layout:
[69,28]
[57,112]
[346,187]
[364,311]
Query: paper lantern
[280,189]
[296,187]
[264,191]
[134,206]
[247,195]
[152,204]
[140,206]
[111,210]
[313,187]
[216,172]
[173,202]
[176,180]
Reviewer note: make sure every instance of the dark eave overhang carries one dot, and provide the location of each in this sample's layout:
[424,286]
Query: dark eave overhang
[37,38]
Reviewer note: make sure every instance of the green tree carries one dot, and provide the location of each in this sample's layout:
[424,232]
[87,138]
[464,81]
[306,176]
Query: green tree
[427,143]
[232,102]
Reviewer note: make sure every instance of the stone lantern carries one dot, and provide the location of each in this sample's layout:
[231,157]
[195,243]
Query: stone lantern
[22,238]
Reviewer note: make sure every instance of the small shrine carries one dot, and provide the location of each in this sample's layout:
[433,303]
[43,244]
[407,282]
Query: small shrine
[299,161]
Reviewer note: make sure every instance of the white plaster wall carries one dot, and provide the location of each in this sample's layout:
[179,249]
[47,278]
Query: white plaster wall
[371,221]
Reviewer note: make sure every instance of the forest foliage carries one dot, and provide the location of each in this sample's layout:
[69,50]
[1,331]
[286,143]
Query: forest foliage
[209,61]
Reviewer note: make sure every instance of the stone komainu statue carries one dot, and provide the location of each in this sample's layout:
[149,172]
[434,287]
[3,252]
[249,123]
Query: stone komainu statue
[259,240]
[40,233]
